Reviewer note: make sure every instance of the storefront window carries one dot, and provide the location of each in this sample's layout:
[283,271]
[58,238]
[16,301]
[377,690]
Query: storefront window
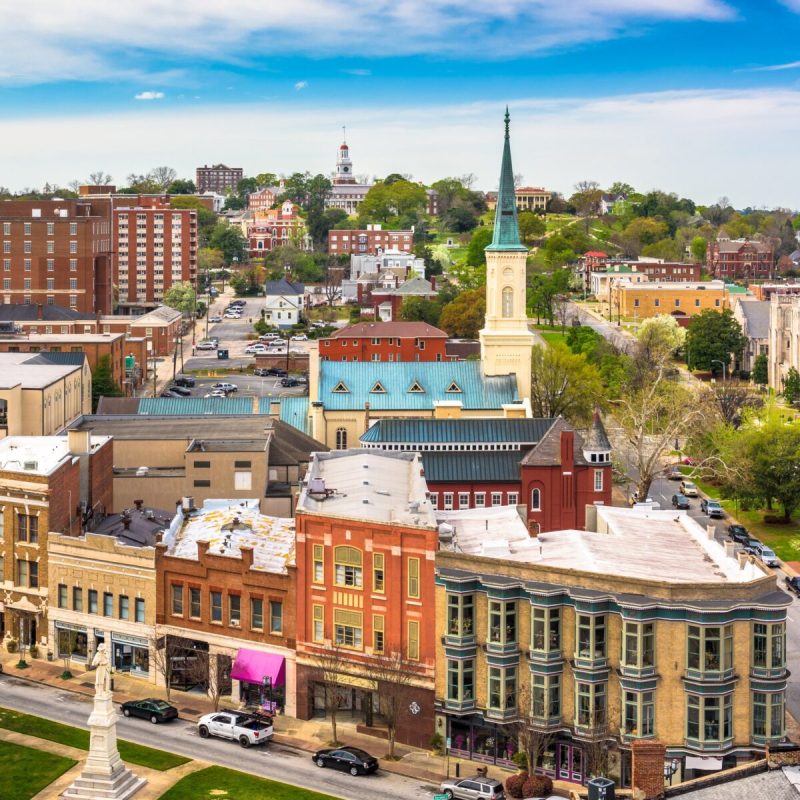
[460,611]
[72,643]
[591,636]
[502,622]
[546,630]
[710,649]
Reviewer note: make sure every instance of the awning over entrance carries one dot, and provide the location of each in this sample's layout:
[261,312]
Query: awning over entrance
[253,666]
[707,763]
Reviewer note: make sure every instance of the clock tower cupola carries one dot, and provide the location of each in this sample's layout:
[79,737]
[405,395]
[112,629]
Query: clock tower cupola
[344,166]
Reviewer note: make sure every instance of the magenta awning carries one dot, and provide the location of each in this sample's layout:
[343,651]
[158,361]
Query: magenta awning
[253,666]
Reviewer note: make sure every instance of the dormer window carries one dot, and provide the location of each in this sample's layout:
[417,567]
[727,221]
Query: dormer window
[416,388]
[341,388]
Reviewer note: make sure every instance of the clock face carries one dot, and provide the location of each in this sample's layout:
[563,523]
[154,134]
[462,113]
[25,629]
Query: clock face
[345,169]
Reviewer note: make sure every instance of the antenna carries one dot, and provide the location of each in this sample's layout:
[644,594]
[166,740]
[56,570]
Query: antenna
[344,133]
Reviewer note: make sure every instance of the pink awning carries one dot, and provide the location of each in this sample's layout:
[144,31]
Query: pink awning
[253,666]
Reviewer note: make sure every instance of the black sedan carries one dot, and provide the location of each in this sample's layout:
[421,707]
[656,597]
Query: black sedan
[186,381]
[349,759]
[738,533]
[154,710]
[681,502]
[793,585]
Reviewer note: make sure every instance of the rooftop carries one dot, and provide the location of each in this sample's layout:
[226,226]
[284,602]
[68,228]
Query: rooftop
[64,338]
[497,465]
[474,530]
[27,312]
[142,528]
[33,370]
[368,485]
[284,287]
[638,542]
[487,430]
[756,312]
[402,330]
[230,525]
[715,286]
[38,455]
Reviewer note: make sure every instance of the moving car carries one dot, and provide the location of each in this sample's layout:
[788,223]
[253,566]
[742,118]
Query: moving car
[350,759]
[179,390]
[712,508]
[301,337]
[688,488]
[151,708]
[207,345]
[226,387]
[475,788]
[738,534]
[793,584]
[765,554]
[681,502]
[185,380]
[247,729]
[674,474]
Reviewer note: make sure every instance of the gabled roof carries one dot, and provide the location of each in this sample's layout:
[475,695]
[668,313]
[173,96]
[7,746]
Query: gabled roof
[547,453]
[756,312]
[401,330]
[159,314]
[500,465]
[434,377]
[26,312]
[488,430]
[284,287]
[735,245]
[415,286]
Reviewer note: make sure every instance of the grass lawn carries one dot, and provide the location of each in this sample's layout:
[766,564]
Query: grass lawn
[783,539]
[222,783]
[25,771]
[553,337]
[79,738]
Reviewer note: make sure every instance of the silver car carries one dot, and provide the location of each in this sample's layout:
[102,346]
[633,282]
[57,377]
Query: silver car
[477,788]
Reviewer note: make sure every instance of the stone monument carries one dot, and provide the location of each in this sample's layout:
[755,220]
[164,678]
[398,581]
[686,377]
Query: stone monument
[104,775]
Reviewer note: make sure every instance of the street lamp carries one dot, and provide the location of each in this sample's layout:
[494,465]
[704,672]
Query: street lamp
[670,768]
[719,361]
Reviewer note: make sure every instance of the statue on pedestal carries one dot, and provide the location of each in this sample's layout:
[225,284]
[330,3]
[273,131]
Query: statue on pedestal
[101,664]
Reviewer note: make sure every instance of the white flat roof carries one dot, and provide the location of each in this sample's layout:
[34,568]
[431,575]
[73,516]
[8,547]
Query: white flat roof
[60,338]
[368,484]
[635,542]
[38,455]
[229,525]
[14,371]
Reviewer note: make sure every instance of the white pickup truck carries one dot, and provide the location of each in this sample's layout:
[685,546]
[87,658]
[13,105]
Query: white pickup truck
[247,729]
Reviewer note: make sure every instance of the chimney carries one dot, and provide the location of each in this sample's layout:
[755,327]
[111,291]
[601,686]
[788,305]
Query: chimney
[126,522]
[247,557]
[647,769]
[138,504]
[433,282]
[730,549]
[567,450]
[79,442]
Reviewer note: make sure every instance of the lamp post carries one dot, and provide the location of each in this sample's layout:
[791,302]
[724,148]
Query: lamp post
[719,361]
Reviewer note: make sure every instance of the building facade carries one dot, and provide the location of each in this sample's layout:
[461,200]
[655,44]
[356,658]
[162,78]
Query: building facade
[783,347]
[385,341]
[596,645]
[740,259]
[58,252]
[275,227]
[217,178]
[373,240]
[680,300]
[532,198]
[284,303]
[753,316]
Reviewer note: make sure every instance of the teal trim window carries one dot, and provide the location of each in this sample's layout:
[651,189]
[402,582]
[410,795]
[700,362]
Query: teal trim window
[638,714]
[460,680]
[638,645]
[546,698]
[591,636]
[710,649]
[768,715]
[460,615]
[546,630]
[502,695]
[769,646]
[709,720]
[502,622]
[590,705]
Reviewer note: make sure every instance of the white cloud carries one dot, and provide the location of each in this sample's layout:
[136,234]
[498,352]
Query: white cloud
[775,67]
[149,96]
[300,85]
[700,144]
[361,73]
[98,40]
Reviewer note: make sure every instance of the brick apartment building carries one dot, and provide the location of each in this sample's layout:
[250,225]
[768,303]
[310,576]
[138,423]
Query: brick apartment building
[667,271]
[740,259]
[217,178]
[385,341]
[226,589]
[372,241]
[366,540]
[269,228]
[58,252]
[263,199]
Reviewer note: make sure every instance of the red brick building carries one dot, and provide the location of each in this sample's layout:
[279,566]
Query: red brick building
[57,252]
[666,271]
[733,259]
[263,199]
[385,341]
[386,303]
[274,227]
[373,240]
[217,178]
[366,543]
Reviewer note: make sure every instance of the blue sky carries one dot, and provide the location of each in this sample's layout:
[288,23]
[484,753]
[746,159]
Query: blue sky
[696,96]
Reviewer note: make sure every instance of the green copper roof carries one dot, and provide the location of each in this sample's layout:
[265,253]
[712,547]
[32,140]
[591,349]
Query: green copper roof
[506,229]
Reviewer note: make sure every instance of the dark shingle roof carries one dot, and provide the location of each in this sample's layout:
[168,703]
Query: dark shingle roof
[756,312]
[548,451]
[284,287]
[596,438]
[26,312]
[772,785]
[500,465]
[457,431]
[49,357]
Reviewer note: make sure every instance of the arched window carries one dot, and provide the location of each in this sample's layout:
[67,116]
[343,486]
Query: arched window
[536,500]
[341,438]
[508,302]
[348,567]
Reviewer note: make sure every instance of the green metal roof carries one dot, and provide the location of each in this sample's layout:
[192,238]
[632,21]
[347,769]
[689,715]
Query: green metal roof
[457,431]
[733,288]
[194,406]
[464,466]
[506,228]
[346,385]
[294,411]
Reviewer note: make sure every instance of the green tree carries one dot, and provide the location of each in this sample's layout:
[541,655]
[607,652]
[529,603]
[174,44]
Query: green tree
[103,384]
[460,219]
[791,386]
[531,227]
[465,315]
[659,338]
[481,239]
[420,309]
[181,296]
[388,202]
[698,248]
[264,179]
[558,251]
[181,186]
[230,240]
[760,373]
[320,223]
[564,383]
[619,187]
[645,230]
[206,219]
[713,336]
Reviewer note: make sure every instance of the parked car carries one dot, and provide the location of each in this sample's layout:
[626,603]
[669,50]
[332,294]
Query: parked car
[254,349]
[154,710]
[288,383]
[169,393]
[247,729]
[185,380]
[738,534]
[269,337]
[765,554]
[215,318]
[319,325]
[300,337]
[712,508]
[681,502]
[261,372]
[207,345]
[475,788]
[179,390]
[277,372]
[215,393]
[226,387]
[793,584]
[688,488]
[674,474]
[232,315]
[350,759]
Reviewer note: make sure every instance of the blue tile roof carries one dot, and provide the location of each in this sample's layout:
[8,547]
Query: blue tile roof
[462,466]
[196,406]
[294,411]
[457,431]
[435,378]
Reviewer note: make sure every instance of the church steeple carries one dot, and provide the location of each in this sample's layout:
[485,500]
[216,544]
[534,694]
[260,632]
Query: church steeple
[506,229]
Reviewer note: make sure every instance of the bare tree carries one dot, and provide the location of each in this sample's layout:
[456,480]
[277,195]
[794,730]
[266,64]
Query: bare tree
[596,739]
[203,671]
[67,640]
[730,399]
[328,666]
[561,309]
[393,676]
[332,282]
[165,652]
[532,736]
[163,176]
[468,179]
[100,178]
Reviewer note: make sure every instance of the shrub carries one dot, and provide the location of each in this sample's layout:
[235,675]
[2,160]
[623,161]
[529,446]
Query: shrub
[34,651]
[437,742]
[514,784]
[11,645]
[520,758]
[537,786]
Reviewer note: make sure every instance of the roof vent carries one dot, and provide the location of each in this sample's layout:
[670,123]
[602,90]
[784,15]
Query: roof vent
[365,483]
[413,505]
[30,465]
[365,501]
[446,532]
[316,486]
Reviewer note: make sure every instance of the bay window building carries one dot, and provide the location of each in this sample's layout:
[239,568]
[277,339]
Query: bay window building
[642,626]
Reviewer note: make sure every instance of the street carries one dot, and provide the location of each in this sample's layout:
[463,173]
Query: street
[271,761]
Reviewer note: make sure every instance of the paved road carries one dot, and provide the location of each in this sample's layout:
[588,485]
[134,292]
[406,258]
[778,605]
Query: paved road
[272,761]
[621,339]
